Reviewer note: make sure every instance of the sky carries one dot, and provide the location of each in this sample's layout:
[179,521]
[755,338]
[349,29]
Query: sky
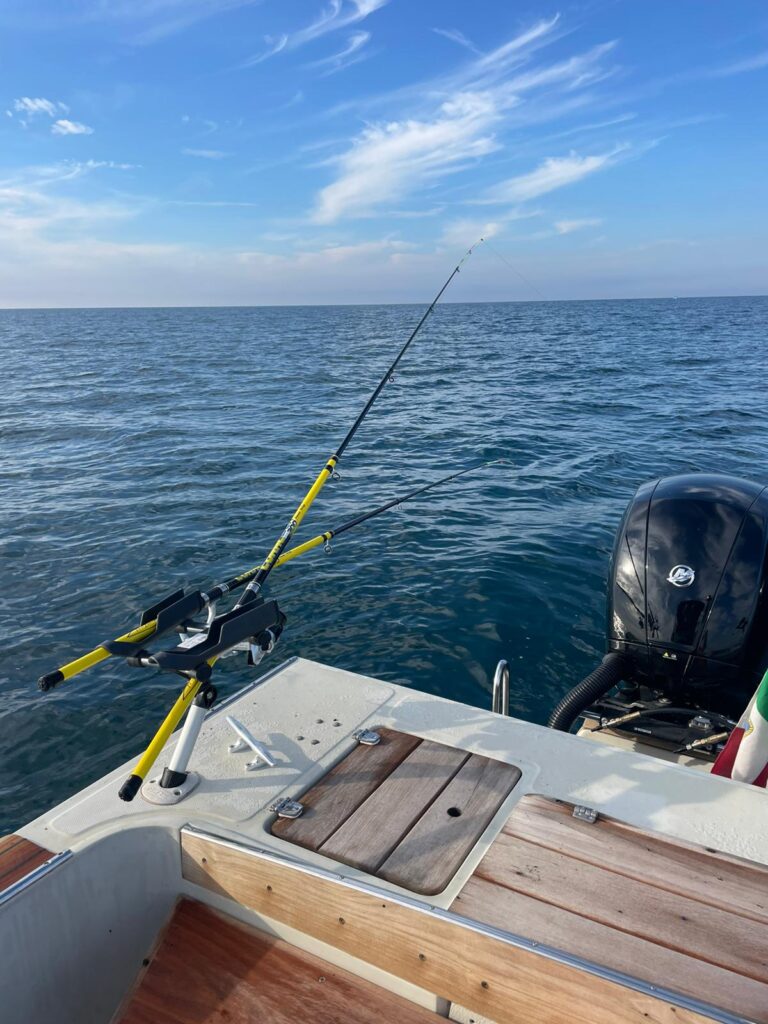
[249,152]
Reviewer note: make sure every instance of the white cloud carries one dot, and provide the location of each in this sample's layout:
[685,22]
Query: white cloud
[553,173]
[755,63]
[460,234]
[565,227]
[387,160]
[463,116]
[511,50]
[343,59]
[206,154]
[337,15]
[457,37]
[65,127]
[29,106]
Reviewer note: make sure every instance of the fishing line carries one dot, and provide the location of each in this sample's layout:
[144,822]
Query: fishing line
[514,270]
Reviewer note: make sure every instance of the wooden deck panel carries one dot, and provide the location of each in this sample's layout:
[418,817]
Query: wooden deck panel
[712,878]
[481,900]
[407,810]
[370,835]
[328,804]
[505,983]
[209,967]
[432,852]
[668,913]
[19,856]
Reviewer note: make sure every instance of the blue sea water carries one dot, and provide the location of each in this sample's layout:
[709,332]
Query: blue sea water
[152,448]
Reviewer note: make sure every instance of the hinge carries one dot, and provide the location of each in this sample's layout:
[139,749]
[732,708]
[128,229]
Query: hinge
[286,808]
[588,814]
[367,737]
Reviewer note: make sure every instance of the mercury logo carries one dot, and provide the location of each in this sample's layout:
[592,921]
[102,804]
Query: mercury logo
[681,576]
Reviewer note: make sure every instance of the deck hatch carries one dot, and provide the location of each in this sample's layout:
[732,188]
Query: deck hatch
[407,810]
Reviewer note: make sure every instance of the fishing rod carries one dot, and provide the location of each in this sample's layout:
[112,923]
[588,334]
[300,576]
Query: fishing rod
[256,584]
[251,619]
[178,606]
[325,538]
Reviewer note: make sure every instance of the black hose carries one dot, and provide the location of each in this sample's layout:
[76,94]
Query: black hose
[604,678]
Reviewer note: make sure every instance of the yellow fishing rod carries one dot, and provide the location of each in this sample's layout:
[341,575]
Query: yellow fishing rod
[251,618]
[257,582]
[325,538]
[192,691]
[179,607]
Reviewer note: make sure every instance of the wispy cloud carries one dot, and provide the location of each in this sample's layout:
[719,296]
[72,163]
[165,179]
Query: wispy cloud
[337,15]
[740,67]
[205,154]
[487,99]
[65,127]
[565,227]
[344,58]
[387,160]
[553,173]
[156,20]
[460,234]
[458,37]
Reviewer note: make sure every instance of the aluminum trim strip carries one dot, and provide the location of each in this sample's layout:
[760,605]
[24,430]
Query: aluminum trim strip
[508,938]
[34,876]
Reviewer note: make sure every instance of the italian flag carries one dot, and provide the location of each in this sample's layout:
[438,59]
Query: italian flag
[745,755]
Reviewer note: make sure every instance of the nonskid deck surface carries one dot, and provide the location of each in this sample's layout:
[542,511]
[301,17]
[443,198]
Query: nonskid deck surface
[209,967]
[668,913]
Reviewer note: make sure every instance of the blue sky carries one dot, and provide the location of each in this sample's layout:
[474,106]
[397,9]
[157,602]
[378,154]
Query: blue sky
[196,152]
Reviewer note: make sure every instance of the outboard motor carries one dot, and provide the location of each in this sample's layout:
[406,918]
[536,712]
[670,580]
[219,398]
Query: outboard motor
[687,631]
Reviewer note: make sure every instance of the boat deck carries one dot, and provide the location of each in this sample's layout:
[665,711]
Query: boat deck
[18,857]
[406,810]
[545,919]
[665,912]
[209,967]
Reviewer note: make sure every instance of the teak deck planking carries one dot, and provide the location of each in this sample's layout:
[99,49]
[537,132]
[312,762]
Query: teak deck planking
[501,981]
[665,912]
[19,856]
[407,810]
[209,967]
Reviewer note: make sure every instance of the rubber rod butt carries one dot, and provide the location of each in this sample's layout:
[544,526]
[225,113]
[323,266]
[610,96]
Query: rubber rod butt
[130,788]
[48,682]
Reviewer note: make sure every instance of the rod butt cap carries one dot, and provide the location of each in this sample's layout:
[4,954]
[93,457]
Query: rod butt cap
[47,682]
[130,788]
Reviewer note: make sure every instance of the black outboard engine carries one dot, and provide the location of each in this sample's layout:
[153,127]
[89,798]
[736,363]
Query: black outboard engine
[687,614]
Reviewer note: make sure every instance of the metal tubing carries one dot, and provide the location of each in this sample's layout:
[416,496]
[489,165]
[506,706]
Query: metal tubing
[187,740]
[500,701]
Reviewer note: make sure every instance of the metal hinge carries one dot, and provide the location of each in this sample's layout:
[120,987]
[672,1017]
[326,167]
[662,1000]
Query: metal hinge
[588,814]
[286,808]
[367,737]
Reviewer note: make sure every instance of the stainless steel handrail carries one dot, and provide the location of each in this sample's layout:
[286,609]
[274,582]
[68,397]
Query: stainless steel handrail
[500,700]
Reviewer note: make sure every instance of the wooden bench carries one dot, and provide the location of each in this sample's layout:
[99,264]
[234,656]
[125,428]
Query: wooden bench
[666,912]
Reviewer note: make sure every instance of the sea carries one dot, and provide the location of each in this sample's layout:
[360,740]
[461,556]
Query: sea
[148,449]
